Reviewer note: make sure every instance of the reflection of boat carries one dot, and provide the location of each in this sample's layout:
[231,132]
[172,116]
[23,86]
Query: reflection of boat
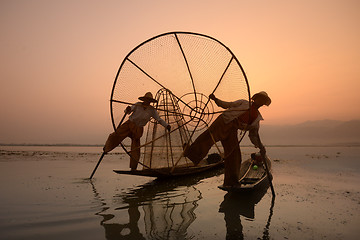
[242,203]
[165,208]
[237,204]
[252,175]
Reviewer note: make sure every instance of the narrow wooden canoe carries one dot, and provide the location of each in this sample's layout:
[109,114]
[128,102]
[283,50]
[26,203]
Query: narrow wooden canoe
[177,171]
[250,177]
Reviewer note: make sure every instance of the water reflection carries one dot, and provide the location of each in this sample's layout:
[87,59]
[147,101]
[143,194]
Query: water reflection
[243,204]
[165,208]
[266,235]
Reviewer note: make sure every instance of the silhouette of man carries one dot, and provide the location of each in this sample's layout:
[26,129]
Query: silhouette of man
[237,115]
[133,128]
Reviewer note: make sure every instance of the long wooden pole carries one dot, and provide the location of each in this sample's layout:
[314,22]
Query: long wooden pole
[104,153]
[268,174]
[97,165]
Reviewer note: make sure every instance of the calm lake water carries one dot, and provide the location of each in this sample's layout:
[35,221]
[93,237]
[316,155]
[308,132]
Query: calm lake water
[45,194]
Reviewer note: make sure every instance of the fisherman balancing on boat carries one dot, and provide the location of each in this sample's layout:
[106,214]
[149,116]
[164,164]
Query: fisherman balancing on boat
[133,128]
[237,115]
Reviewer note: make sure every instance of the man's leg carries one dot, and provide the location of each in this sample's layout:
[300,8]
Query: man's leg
[232,159]
[201,146]
[136,133]
[135,153]
[117,137]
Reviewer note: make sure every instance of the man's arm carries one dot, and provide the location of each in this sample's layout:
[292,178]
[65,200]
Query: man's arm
[255,139]
[130,109]
[224,104]
[155,115]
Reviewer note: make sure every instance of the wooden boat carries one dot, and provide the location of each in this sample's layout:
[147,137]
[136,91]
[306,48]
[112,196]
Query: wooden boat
[252,176]
[213,161]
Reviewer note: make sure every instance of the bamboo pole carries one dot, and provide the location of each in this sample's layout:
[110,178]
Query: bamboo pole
[268,174]
[104,153]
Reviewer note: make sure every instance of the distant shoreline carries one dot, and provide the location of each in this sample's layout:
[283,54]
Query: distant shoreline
[50,145]
[101,145]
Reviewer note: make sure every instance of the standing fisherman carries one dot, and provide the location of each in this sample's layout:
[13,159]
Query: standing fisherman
[236,116]
[133,128]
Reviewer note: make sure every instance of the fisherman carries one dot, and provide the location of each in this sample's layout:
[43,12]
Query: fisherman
[237,115]
[133,128]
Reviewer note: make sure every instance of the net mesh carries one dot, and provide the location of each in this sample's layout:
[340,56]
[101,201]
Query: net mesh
[182,70]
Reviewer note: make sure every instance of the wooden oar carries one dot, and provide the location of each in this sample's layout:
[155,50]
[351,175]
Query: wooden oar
[103,154]
[268,174]
[97,165]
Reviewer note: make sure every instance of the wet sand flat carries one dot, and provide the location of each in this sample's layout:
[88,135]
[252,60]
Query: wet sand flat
[45,194]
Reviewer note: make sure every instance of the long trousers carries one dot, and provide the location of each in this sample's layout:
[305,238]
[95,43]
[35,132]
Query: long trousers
[227,134]
[127,129]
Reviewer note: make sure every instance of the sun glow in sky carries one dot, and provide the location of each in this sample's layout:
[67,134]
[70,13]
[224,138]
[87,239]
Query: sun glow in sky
[59,58]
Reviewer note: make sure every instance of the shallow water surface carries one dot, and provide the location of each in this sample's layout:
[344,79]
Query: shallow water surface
[45,194]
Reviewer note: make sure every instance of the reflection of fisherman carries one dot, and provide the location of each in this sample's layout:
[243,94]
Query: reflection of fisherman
[133,128]
[236,205]
[232,210]
[236,116]
[115,230]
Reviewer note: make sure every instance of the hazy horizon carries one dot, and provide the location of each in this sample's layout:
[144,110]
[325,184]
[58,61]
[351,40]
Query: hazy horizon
[325,132]
[59,58]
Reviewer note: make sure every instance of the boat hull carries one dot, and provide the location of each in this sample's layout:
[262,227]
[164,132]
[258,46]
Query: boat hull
[169,172]
[250,177]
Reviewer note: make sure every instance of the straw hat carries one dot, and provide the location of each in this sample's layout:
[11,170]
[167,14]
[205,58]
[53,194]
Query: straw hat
[264,96]
[148,97]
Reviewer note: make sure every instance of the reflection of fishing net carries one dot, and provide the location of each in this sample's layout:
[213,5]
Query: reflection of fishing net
[171,218]
[182,69]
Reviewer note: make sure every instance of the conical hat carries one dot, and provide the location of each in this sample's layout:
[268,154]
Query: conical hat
[263,95]
[148,97]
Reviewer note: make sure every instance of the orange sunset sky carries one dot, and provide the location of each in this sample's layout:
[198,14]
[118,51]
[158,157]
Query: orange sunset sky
[59,58]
